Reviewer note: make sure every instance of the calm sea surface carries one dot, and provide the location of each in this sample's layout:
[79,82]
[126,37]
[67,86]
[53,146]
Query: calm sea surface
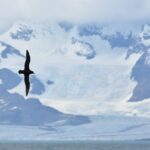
[76,145]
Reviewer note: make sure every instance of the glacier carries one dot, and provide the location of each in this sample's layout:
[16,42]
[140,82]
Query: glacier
[103,128]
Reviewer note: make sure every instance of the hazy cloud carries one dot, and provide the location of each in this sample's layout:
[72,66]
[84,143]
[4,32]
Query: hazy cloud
[78,11]
[75,10]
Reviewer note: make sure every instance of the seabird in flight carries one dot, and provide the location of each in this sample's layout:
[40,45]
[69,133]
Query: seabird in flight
[26,72]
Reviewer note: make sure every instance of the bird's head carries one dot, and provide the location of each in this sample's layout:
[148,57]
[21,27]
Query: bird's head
[20,72]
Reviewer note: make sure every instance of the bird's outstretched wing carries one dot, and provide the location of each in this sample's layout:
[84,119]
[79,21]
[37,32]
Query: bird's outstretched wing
[27,62]
[27,83]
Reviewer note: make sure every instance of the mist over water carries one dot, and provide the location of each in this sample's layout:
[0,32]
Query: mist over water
[76,145]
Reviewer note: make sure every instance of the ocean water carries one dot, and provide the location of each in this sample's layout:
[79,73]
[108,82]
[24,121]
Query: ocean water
[76,145]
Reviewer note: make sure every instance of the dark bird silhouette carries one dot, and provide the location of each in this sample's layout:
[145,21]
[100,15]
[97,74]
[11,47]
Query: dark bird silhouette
[26,72]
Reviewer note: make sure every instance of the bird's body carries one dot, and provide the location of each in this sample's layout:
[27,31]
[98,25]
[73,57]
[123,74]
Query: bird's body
[26,72]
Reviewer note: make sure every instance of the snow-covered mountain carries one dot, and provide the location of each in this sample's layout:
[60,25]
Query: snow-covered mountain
[81,69]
